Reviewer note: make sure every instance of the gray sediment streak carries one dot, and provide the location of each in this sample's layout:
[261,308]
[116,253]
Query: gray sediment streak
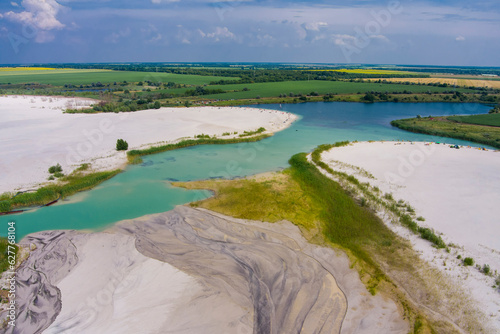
[39,299]
[288,291]
[230,276]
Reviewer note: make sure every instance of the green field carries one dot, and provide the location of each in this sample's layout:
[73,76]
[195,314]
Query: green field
[270,89]
[488,119]
[85,77]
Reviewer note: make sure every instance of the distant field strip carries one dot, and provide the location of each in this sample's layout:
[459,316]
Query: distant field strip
[60,77]
[270,89]
[13,69]
[370,71]
[449,81]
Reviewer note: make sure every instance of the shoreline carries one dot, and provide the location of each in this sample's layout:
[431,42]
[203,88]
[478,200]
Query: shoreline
[92,138]
[394,168]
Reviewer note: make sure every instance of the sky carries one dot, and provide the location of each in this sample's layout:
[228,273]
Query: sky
[442,32]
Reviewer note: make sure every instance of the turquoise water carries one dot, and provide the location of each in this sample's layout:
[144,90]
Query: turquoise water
[145,189]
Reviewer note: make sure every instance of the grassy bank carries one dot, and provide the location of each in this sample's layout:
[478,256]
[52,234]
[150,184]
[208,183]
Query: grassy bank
[68,186]
[442,126]
[403,212]
[4,263]
[134,156]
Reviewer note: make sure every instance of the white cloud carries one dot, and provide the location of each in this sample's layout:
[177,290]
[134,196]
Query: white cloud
[315,26]
[39,14]
[460,38]
[219,33]
[342,39]
[15,4]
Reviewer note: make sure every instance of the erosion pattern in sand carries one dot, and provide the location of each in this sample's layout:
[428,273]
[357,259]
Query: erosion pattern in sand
[457,191]
[194,271]
[36,134]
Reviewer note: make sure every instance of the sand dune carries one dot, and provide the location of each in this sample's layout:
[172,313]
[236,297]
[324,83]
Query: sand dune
[195,271]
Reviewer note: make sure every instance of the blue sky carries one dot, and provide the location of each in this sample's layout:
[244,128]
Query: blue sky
[363,31]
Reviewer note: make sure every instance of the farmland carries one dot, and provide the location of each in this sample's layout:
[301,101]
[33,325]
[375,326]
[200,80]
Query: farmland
[272,89]
[374,71]
[60,77]
[479,82]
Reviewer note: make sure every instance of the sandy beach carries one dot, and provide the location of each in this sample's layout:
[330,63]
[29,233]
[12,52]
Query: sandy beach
[36,134]
[456,191]
[194,271]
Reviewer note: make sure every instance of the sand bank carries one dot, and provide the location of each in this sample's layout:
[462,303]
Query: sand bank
[36,134]
[457,191]
[195,271]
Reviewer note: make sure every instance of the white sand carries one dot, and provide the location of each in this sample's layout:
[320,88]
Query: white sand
[457,191]
[35,134]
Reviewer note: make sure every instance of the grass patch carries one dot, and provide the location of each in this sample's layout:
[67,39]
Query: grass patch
[70,185]
[252,133]
[441,126]
[4,264]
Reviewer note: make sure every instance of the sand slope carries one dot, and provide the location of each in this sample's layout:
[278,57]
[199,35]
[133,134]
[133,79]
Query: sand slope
[36,134]
[194,271]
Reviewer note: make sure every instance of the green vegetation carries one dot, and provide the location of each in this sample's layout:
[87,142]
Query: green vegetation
[61,77]
[468,261]
[134,87]
[252,133]
[121,145]
[68,186]
[321,87]
[442,126]
[55,169]
[492,119]
[134,155]
[4,264]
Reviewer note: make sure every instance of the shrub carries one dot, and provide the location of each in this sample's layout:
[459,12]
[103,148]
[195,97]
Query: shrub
[121,145]
[468,261]
[486,269]
[55,169]
[58,174]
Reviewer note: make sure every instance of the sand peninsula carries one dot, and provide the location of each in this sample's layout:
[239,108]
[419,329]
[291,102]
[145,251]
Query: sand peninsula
[36,134]
[456,191]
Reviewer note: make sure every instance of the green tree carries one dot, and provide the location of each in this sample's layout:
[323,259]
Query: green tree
[121,145]
[55,169]
[369,97]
